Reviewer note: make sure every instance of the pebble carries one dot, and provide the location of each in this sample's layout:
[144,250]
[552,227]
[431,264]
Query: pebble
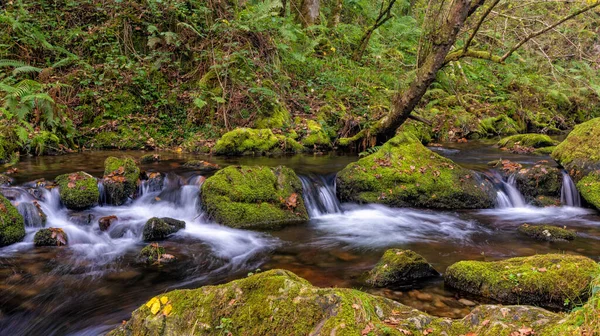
[425,297]
[467,303]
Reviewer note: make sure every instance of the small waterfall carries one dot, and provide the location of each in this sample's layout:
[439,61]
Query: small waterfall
[31,215]
[509,196]
[569,194]
[319,195]
[102,199]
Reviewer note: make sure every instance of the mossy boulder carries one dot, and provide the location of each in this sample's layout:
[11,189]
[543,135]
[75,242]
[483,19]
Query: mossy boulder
[50,237]
[541,180]
[247,141]
[78,191]
[12,226]
[278,302]
[398,267]
[404,173]
[547,233]
[154,254]
[589,188]
[526,141]
[120,179]
[254,197]
[150,158]
[316,136]
[556,281]
[579,153]
[160,228]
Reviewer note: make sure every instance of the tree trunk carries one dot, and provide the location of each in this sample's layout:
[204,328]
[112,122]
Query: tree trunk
[283,8]
[336,13]
[441,38]
[309,12]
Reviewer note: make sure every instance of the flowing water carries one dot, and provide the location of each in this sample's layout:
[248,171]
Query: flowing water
[93,284]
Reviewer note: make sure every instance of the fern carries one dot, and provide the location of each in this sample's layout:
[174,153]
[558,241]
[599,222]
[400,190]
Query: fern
[369,151]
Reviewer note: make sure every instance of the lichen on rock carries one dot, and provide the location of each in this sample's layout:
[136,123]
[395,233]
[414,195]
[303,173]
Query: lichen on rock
[405,173]
[398,267]
[551,280]
[254,197]
[78,191]
[12,226]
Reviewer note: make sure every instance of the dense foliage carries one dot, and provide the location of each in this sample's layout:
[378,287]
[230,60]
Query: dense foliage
[113,74]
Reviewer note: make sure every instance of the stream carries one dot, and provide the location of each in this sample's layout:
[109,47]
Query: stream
[93,284]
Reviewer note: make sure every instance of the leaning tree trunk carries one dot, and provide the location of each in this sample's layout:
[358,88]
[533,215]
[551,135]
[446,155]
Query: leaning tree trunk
[440,40]
[309,12]
[336,13]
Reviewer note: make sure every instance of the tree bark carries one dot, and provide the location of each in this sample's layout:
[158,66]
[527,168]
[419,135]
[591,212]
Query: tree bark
[336,13]
[309,12]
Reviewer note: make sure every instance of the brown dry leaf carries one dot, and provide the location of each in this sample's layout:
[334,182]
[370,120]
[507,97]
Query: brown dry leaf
[2,207]
[367,329]
[121,170]
[355,306]
[470,333]
[543,269]
[71,185]
[486,322]
[427,331]
[405,332]
[292,201]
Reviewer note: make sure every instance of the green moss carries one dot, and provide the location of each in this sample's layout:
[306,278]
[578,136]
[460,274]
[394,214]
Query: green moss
[150,158]
[421,131]
[526,140]
[12,226]
[120,179]
[403,173]
[398,267]
[544,150]
[547,232]
[50,237]
[251,197]
[589,187]
[316,136]
[277,117]
[78,191]
[247,141]
[579,153]
[501,125]
[151,253]
[160,228]
[544,280]
[279,302]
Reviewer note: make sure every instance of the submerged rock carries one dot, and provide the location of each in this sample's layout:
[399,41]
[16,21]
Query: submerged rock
[12,226]
[105,222]
[554,280]
[202,166]
[247,141]
[50,237]
[279,302]
[398,267]
[160,228]
[154,253]
[78,191]
[526,143]
[254,197]
[150,158]
[547,232]
[404,173]
[120,179]
[82,218]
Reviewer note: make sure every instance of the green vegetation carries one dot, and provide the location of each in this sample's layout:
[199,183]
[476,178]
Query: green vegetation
[547,232]
[545,280]
[589,187]
[120,179]
[78,191]
[159,74]
[254,197]
[527,141]
[278,302]
[580,153]
[398,267]
[12,226]
[404,173]
[244,141]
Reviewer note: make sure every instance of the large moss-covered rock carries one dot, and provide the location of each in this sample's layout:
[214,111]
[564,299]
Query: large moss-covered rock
[316,136]
[540,184]
[78,191]
[404,173]
[120,179]
[279,302]
[552,280]
[247,141]
[398,267]
[589,188]
[524,141]
[547,232]
[12,226]
[160,228]
[254,197]
[50,237]
[579,154]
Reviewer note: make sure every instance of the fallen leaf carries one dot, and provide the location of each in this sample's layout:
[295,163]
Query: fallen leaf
[164,300]
[151,302]
[155,307]
[167,310]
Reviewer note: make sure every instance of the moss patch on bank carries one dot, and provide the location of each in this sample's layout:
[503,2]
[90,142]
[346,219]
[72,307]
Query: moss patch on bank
[403,173]
[254,197]
[247,141]
[554,280]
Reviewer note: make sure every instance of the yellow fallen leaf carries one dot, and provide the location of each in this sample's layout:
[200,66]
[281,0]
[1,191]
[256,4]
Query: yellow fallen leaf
[167,310]
[155,307]
[151,302]
[164,300]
